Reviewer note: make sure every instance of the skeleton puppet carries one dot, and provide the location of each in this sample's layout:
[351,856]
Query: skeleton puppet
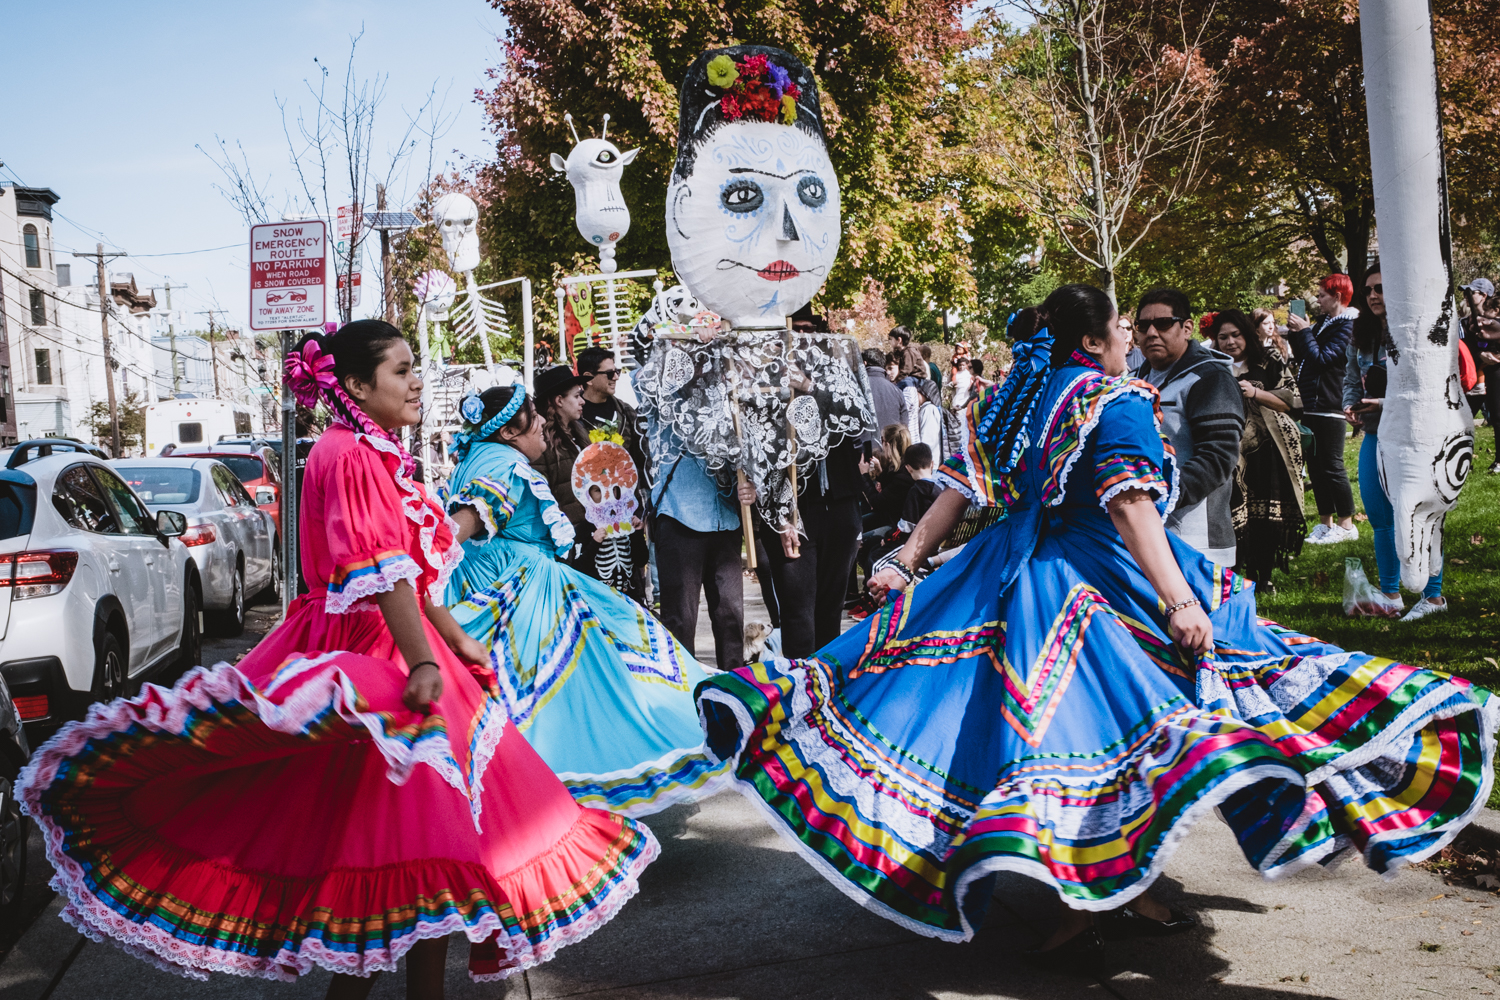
[457,219]
[594,168]
[753,225]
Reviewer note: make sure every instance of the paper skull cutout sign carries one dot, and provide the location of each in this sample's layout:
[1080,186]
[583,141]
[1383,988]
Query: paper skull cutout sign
[753,207]
[604,481]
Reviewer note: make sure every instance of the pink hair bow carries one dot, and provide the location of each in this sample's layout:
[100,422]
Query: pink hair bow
[309,373]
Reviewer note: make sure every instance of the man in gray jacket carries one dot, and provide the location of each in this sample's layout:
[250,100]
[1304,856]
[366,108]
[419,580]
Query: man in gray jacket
[890,408]
[1203,415]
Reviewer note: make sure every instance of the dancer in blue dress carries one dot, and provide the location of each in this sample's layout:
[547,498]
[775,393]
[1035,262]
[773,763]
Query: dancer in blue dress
[1068,694]
[598,686]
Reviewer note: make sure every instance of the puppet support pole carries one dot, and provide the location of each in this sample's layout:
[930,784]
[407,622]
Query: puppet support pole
[1426,432]
[745,523]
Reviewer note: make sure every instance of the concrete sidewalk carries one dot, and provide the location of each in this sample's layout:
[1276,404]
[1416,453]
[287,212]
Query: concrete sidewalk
[730,912]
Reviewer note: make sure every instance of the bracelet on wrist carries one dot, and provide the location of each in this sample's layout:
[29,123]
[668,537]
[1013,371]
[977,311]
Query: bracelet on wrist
[424,663]
[1189,603]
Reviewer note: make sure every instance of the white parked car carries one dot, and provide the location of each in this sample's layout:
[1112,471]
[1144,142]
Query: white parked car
[96,593]
[232,540]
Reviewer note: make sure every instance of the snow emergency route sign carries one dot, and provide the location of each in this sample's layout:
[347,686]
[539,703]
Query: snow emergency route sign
[288,266]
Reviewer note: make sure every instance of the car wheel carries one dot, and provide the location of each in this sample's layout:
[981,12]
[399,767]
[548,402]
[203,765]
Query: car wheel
[13,831]
[272,593]
[110,669]
[190,646]
[231,621]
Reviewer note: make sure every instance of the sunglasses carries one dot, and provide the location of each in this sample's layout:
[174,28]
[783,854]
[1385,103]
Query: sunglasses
[1377,288]
[612,374]
[1161,324]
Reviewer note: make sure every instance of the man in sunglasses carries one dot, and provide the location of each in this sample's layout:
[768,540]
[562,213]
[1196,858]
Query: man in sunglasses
[1203,414]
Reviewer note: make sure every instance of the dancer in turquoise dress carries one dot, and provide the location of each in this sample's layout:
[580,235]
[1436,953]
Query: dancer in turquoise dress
[598,686]
[1075,688]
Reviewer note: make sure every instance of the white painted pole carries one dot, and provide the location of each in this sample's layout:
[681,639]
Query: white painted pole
[1426,431]
[529,357]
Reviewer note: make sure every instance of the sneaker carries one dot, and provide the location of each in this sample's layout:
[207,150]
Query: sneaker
[1333,535]
[1423,608]
[1495,469]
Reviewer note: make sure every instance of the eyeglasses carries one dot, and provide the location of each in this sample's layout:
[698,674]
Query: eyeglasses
[1162,323]
[1377,288]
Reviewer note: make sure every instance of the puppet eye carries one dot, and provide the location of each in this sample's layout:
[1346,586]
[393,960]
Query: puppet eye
[742,196]
[812,191]
[605,156]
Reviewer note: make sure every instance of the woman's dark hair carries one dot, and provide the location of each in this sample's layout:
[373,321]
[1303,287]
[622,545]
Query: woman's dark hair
[357,349]
[710,100]
[976,367]
[1255,351]
[559,434]
[1072,313]
[1022,324]
[1369,329]
[494,400]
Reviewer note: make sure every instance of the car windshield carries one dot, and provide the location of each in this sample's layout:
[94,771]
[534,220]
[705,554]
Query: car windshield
[17,508]
[160,485]
[245,467]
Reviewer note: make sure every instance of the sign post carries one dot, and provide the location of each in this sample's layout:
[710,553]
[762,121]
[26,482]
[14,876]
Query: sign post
[288,278]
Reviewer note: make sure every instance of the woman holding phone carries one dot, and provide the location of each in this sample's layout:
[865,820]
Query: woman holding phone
[1321,349]
[1364,398]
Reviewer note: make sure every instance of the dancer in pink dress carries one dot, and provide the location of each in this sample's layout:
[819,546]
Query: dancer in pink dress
[350,792]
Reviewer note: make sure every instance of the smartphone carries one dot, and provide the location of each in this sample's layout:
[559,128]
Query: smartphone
[1298,307]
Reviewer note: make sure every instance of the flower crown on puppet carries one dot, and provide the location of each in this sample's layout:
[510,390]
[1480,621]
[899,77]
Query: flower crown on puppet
[745,83]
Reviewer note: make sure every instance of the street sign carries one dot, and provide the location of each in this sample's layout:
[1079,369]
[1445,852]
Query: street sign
[345,216]
[288,269]
[344,280]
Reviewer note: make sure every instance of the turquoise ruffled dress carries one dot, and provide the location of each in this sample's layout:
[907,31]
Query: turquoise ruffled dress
[596,683]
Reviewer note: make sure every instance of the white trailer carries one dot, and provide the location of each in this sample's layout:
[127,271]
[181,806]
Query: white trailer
[193,423]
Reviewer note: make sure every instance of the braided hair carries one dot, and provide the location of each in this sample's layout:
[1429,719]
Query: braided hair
[358,349]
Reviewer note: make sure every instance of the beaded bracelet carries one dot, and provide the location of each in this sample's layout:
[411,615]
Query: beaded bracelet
[1190,602]
[893,561]
[424,663]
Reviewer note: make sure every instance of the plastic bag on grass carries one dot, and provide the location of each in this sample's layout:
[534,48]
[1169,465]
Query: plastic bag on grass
[1362,599]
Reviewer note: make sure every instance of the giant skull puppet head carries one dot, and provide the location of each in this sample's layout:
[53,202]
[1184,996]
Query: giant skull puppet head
[753,206]
[594,168]
[457,217]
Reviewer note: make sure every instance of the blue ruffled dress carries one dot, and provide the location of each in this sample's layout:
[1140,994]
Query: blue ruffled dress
[597,684]
[1024,709]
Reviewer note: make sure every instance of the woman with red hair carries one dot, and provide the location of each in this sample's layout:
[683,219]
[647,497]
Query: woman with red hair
[1320,347]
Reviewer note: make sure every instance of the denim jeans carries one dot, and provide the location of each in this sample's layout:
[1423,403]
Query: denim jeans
[1383,520]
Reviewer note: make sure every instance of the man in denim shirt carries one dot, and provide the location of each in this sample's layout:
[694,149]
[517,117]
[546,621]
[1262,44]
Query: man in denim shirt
[696,527]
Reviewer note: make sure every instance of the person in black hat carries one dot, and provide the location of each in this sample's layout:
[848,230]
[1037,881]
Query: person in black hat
[559,399]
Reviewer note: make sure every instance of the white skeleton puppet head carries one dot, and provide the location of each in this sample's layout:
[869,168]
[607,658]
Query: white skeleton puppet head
[753,206]
[457,219]
[594,168]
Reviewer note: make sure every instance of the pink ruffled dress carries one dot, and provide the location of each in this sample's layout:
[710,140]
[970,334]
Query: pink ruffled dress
[289,811]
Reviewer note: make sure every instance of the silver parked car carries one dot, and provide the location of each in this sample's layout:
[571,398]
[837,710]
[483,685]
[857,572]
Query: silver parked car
[230,538]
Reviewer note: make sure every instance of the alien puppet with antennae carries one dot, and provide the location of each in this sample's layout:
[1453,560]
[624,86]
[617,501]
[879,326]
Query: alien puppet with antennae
[753,225]
[594,168]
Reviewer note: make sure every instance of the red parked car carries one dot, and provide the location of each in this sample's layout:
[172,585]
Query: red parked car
[254,466]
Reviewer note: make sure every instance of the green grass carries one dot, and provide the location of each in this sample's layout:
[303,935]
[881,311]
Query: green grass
[1465,641]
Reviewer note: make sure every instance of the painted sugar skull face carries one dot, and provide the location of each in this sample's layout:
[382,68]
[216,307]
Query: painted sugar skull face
[457,219]
[594,168]
[753,216]
[604,481]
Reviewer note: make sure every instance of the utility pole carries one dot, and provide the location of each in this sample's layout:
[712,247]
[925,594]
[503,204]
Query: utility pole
[171,333]
[213,350]
[109,357]
[387,290]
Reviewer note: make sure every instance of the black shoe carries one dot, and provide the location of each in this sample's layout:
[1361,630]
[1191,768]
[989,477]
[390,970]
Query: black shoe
[1083,952]
[1123,924]
[1495,469]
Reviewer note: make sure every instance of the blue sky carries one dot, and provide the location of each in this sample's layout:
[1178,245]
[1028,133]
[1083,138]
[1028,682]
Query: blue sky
[106,104]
